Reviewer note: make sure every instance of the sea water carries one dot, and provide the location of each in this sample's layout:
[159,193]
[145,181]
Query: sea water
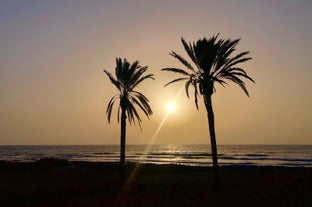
[191,155]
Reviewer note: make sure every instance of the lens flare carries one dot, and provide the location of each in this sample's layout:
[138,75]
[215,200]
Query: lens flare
[137,169]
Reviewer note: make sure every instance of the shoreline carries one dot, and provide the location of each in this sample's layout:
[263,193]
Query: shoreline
[64,183]
[189,155]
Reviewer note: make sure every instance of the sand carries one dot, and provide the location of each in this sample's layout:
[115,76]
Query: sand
[79,184]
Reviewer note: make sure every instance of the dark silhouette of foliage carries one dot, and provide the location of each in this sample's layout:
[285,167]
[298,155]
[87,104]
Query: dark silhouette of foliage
[212,62]
[127,78]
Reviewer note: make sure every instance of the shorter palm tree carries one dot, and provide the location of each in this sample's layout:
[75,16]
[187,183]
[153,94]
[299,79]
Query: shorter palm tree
[128,77]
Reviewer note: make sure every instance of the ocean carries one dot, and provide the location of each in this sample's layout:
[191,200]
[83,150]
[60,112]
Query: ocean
[190,155]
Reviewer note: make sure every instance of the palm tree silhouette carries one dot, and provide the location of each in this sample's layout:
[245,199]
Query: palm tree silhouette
[213,64]
[128,77]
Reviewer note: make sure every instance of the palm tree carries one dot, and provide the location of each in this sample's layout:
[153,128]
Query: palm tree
[128,77]
[212,64]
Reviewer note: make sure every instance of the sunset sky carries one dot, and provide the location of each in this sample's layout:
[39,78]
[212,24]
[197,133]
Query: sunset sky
[53,89]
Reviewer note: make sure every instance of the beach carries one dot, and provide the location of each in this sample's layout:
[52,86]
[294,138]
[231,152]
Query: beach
[79,184]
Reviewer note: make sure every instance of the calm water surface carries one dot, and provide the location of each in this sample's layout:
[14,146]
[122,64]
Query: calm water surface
[192,155]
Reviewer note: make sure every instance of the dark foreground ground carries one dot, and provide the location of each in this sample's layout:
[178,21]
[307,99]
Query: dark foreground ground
[82,184]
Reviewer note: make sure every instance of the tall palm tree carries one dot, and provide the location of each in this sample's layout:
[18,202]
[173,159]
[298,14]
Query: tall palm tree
[212,63]
[128,77]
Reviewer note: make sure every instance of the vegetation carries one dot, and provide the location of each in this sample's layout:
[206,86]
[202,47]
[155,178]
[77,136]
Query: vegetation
[128,77]
[212,63]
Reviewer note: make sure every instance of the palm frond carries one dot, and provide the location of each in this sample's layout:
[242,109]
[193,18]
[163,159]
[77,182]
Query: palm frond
[237,59]
[195,94]
[238,81]
[133,67]
[143,105]
[119,71]
[112,79]
[221,82]
[138,73]
[176,70]
[187,85]
[240,72]
[189,49]
[134,73]
[149,76]
[234,72]
[182,60]
[118,114]
[227,47]
[175,80]
[134,100]
[110,107]
[133,115]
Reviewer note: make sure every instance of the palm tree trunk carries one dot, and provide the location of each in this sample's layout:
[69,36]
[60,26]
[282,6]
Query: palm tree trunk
[208,104]
[123,148]
[123,137]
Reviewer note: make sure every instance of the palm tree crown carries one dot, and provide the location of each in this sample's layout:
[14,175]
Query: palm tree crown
[128,77]
[212,64]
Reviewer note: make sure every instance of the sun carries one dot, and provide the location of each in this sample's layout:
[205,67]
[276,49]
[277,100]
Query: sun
[170,107]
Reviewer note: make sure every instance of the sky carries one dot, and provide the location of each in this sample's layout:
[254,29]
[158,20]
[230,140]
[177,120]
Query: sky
[53,89]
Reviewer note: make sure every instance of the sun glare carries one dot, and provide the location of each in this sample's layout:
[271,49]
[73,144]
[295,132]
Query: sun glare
[171,107]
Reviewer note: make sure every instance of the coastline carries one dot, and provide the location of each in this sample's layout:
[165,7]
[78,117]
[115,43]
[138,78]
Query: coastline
[64,183]
[192,155]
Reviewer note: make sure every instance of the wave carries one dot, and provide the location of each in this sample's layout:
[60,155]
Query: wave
[103,153]
[243,158]
[309,160]
[185,155]
[256,155]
